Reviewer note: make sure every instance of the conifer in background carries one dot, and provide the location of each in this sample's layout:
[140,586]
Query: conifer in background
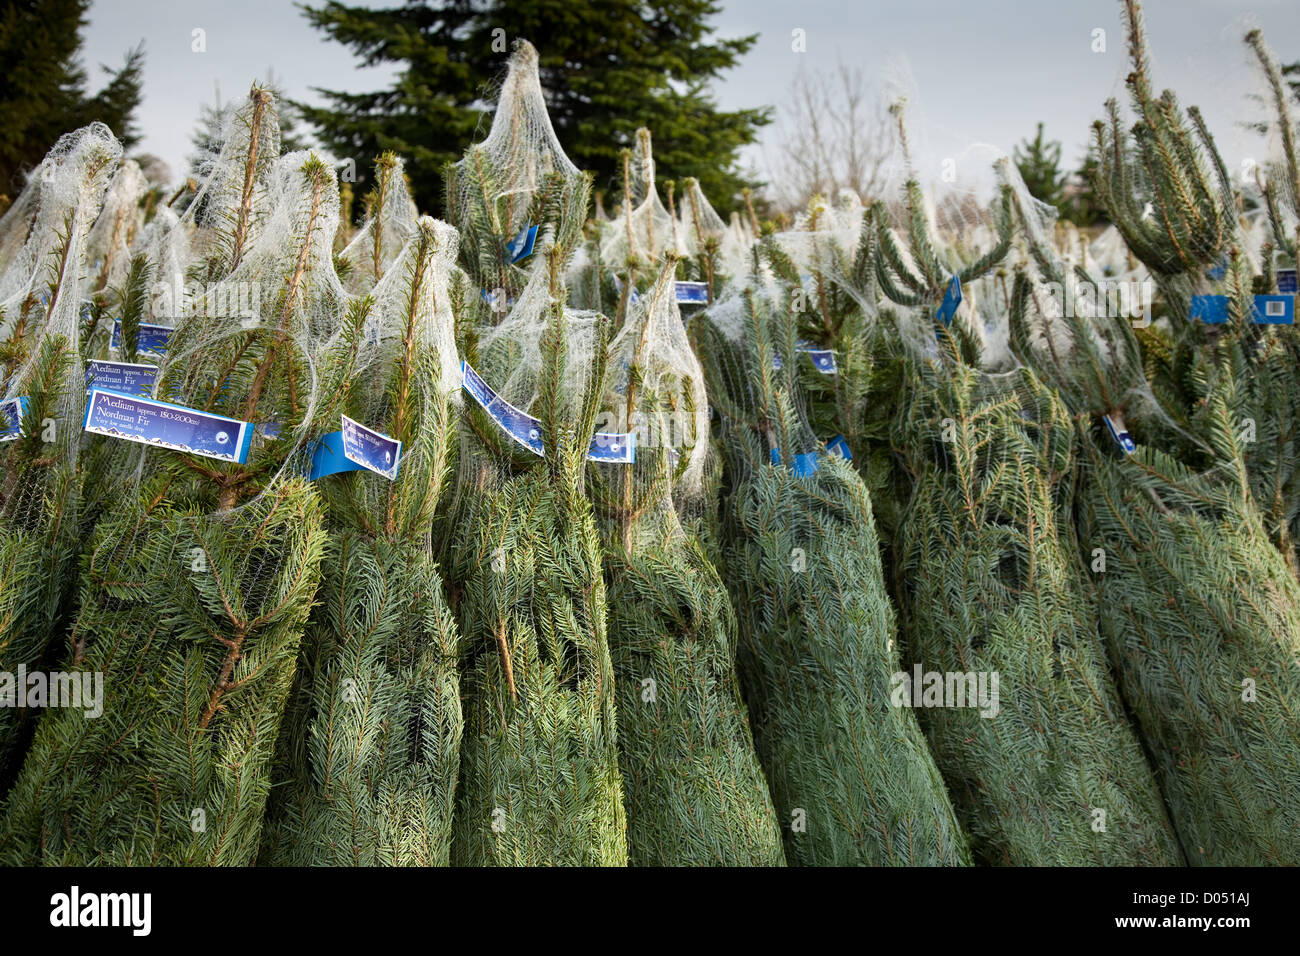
[850,775]
[693,786]
[608,68]
[196,588]
[372,740]
[44,94]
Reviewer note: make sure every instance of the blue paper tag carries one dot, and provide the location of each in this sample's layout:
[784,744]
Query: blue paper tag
[493,299]
[163,425]
[1219,269]
[12,411]
[327,457]
[121,377]
[692,293]
[823,359]
[521,246]
[151,338]
[1121,436]
[370,449]
[270,430]
[618,287]
[1210,309]
[527,430]
[951,299]
[838,446]
[1286,281]
[803,465]
[1274,310]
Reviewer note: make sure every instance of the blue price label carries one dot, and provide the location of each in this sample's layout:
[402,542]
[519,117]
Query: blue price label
[164,425]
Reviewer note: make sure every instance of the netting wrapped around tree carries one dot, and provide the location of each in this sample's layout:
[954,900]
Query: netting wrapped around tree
[371,743]
[1002,649]
[1199,610]
[197,585]
[518,177]
[390,220]
[42,385]
[540,781]
[694,789]
[109,242]
[850,775]
[643,231]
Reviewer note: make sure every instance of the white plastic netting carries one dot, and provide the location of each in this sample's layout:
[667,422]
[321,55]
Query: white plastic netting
[390,220]
[110,239]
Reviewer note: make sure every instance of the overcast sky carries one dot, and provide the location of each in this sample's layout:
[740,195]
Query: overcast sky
[983,70]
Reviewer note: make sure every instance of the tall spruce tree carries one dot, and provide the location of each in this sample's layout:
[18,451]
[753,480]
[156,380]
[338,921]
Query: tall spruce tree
[197,586]
[540,781]
[694,788]
[851,777]
[371,743]
[41,366]
[44,94]
[608,68]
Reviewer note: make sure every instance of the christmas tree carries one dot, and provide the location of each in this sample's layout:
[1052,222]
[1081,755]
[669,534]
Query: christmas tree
[42,384]
[540,781]
[372,738]
[850,774]
[196,588]
[694,789]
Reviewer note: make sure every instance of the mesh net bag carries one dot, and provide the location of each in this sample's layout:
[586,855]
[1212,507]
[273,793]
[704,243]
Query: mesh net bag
[1197,606]
[850,775]
[517,178]
[540,781]
[644,230]
[197,585]
[1004,658]
[42,387]
[114,231]
[390,220]
[694,789]
[371,744]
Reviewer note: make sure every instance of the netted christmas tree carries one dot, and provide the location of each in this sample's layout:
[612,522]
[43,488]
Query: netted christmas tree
[850,775]
[42,385]
[390,219]
[371,743]
[1002,645]
[540,781]
[1199,610]
[197,586]
[694,790]
[1165,185]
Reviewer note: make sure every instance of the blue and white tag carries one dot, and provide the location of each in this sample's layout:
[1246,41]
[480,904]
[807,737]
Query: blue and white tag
[1286,282]
[124,377]
[12,411]
[527,430]
[1120,434]
[802,466]
[327,457]
[1274,310]
[370,449]
[951,299]
[521,246]
[823,359]
[692,293]
[839,447]
[1210,309]
[151,338]
[164,425]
